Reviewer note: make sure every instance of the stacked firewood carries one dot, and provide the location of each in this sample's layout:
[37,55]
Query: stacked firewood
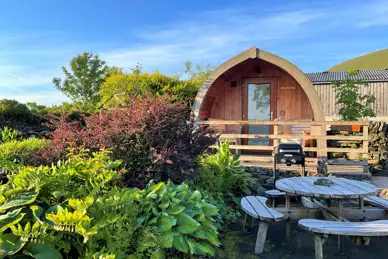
[344,144]
[378,142]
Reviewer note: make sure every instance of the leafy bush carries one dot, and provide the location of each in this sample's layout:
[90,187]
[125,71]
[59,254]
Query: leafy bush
[152,137]
[176,217]
[118,89]
[229,210]
[222,172]
[12,110]
[19,150]
[68,209]
[74,210]
[8,134]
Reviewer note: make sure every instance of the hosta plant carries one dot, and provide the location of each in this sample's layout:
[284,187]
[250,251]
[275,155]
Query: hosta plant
[175,217]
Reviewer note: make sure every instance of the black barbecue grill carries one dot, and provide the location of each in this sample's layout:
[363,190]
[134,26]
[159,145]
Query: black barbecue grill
[290,154]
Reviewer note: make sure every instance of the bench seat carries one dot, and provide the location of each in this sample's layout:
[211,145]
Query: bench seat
[275,193]
[358,229]
[377,201]
[256,207]
[370,228]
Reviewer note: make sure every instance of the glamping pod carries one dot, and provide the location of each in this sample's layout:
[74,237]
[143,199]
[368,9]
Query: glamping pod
[257,85]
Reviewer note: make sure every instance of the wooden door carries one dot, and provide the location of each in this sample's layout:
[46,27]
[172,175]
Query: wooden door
[259,103]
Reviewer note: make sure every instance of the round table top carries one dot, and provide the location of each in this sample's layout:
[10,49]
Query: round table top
[341,189]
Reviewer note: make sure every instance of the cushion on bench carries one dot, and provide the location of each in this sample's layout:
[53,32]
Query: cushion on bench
[255,206]
[371,228]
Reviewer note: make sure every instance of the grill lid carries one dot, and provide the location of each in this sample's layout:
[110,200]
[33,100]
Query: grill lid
[290,148]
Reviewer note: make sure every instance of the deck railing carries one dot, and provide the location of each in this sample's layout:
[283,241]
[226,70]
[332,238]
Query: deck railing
[318,132]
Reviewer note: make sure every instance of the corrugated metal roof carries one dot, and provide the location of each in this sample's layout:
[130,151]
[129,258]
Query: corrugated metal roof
[371,75]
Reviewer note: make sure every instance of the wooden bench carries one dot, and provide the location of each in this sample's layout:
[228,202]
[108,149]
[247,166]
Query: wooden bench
[377,201]
[256,207]
[273,195]
[322,228]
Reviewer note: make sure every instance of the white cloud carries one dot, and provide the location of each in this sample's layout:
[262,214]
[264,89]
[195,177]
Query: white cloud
[371,15]
[210,39]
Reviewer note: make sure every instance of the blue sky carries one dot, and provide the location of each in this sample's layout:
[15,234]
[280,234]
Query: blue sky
[38,37]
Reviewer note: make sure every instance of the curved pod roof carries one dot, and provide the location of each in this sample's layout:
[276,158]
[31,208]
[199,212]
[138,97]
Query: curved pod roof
[254,52]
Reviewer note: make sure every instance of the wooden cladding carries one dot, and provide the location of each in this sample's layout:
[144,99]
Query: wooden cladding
[290,101]
[327,96]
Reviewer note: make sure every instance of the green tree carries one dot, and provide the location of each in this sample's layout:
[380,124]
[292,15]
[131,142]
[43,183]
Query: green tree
[197,72]
[354,105]
[113,70]
[12,110]
[118,89]
[40,111]
[82,82]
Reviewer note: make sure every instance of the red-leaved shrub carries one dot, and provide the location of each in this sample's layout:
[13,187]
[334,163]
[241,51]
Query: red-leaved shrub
[152,136]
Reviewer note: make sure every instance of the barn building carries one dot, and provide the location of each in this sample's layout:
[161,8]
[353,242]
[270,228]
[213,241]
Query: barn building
[377,84]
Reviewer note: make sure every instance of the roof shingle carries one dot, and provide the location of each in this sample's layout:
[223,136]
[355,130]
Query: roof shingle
[371,75]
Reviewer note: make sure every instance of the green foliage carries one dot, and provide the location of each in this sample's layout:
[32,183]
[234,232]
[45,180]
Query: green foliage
[83,82]
[8,134]
[354,105]
[116,214]
[176,217]
[39,111]
[74,209]
[47,212]
[119,88]
[18,150]
[222,172]
[197,72]
[12,110]
[228,212]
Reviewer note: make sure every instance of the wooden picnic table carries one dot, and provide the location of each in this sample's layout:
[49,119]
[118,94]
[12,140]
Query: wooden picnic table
[340,189]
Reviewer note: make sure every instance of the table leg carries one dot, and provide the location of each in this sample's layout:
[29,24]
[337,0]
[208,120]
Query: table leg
[318,243]
[261,236]
[288,230]
[288,202]
[361,203]
[341,240]
[245,221]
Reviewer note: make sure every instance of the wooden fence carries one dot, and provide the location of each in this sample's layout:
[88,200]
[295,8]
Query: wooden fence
[317,131]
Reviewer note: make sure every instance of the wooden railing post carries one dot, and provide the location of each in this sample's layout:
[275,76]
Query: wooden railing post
[320,131]
[365,135]
[275,133]
[275,145]
[365,144]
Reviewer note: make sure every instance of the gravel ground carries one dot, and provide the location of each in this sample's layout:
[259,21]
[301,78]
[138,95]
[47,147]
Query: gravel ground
[302,245]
